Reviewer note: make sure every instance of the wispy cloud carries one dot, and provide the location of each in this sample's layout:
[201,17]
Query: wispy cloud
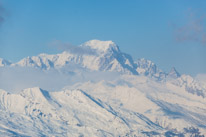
[14,79]
[2,13]
[80,50]
[193,30]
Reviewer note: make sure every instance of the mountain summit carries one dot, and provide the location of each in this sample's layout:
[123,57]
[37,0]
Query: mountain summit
[173,73]
[101,46]
[105,56]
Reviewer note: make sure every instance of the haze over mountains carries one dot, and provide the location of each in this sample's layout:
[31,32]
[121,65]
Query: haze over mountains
[99,91]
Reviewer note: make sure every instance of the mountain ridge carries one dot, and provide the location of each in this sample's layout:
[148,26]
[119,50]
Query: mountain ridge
[112,111]
[108,57]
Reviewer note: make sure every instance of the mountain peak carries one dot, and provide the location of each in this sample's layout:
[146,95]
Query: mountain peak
[101,46]
[35,93]
[174,73]
[146,67]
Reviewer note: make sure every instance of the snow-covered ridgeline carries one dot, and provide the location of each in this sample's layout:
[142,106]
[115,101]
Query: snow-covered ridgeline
[138,107]
[106,56]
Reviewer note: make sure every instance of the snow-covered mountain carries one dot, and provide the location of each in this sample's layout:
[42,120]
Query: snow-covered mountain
[96,55]
[174,73]
[107,57]
[99,56]
[142,100]
[148,68]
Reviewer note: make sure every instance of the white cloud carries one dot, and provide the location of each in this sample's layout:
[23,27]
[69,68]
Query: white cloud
[14,79]
[193,30]
[2,13]
[80,50]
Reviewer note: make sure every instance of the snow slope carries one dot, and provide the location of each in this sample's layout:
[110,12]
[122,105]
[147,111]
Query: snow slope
[128,106]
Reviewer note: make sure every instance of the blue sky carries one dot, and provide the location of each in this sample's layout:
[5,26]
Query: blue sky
[168,32]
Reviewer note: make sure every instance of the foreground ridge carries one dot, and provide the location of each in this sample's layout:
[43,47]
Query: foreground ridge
[104,108]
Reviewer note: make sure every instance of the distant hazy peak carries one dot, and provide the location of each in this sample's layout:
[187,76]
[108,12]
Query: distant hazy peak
[174,73]
[145,66]
[101,46]
[144,63]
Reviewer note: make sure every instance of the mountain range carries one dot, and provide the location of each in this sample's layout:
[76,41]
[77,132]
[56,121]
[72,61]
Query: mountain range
[142,100]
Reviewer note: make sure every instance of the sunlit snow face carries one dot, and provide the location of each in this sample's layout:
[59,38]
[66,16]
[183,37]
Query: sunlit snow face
[101,46]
